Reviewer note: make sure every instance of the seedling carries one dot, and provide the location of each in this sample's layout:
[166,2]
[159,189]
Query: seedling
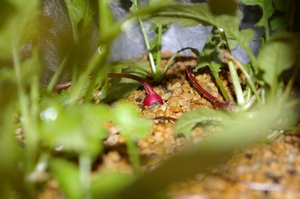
[151,98]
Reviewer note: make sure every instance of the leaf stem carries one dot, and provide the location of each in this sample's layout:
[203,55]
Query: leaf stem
[150,55]
[85,173]
[158,53]
[152,96]
[133,155]
[31,133]
[218,104]
[236,83]
[54,79]
[221,86]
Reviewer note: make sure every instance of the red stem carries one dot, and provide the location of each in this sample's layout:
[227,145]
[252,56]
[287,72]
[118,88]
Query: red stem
[151,97]
[218,104]
[62,86]
[148,88]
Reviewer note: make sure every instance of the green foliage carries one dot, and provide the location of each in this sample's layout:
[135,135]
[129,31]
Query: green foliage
[134,127]
[69,127]
[106,183]
[81,13]
[18,28]
[67,175]
[190,119]
[56,126]
[241,131]
[278,55]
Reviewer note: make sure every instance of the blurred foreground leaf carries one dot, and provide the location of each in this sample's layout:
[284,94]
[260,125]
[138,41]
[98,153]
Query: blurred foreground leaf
[199,157]
[76,128]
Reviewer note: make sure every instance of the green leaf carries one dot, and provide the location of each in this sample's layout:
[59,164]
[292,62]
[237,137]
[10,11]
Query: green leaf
[267,8]
[282,22]
[279,23]
[276,56]
[81,11]
[67,175]
[120,89]
[108,30]
[211,54]
[153,2]
[188,121]
[221,7]
[7,10]
[20,27]
[78,129]
[209,153]
[133,126]
[107,183]
[193,14]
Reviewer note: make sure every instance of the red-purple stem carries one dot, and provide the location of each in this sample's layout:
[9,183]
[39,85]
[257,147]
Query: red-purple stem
[65,85]
[151,97]
[218,104]
[148,88]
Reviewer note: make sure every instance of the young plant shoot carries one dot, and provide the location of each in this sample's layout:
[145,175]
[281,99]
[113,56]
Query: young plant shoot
[151,98]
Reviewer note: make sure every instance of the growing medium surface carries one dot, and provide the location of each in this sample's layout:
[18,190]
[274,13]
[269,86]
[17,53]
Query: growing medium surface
[258,171]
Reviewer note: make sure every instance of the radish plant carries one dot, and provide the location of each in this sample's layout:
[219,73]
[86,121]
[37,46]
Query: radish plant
[63,137]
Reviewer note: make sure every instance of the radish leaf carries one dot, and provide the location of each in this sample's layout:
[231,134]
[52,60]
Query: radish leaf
[188,121]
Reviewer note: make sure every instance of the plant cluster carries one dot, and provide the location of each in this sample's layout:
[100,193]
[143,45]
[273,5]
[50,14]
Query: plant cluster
[59,128]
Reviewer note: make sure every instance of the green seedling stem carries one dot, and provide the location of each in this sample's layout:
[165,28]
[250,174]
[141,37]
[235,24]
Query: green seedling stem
[57,74]
[235,78]
[236,83]
[155,63]
[150,55]
[133,155]
[27,120]
[75,92]
[220,85]
[85,175]
[249,81]
[158,53]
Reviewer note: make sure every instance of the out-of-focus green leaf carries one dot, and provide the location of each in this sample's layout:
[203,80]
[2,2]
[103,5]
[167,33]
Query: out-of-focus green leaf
[189,120]
[108,28]
[107,183]
[81,11]
[20,27]
[120,89]
[193,14]
[67,175]
[7,10]
[153,2]
[277,55]
[220,7]
[133,126]
[199,157]
[76,128]
[282,22]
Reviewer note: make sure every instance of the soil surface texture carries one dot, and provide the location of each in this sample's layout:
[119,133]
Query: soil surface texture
[263,170]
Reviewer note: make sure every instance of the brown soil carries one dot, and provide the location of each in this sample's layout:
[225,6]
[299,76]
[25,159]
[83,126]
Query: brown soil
[259,171]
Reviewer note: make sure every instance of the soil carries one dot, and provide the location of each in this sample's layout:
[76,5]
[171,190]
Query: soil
[259,171]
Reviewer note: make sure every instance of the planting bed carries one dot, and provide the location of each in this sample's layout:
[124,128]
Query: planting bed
[259,171]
